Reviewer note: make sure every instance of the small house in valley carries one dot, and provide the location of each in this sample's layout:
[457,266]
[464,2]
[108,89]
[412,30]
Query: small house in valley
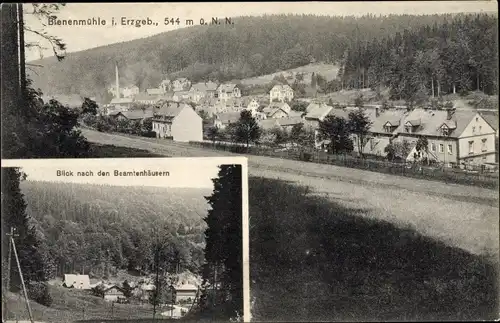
[76,281]
[185,293]
[178,121]
[113,294]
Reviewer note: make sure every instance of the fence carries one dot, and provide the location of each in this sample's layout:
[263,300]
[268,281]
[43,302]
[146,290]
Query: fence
[477,178]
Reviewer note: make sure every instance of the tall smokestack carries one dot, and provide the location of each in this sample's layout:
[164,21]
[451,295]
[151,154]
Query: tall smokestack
[117,94]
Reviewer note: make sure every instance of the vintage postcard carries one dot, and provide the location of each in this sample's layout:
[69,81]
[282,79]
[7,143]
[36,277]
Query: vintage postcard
[133,240]
[370,129]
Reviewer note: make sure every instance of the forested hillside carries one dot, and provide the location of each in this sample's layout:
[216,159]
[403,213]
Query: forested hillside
[252,46]
[454,57]
[93,228]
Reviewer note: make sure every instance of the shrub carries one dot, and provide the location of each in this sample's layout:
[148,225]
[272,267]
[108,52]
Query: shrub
[39,292]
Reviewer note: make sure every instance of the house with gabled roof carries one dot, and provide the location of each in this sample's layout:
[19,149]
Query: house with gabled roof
[228,91]
[146,98]
[222,120]
[455,137]
[177,121]
[281,93]
[202,90]
[277,110]
[113,293]
[122,102]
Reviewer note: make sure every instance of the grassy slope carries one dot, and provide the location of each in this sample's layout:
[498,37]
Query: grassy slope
[328,71]
[313,259]
[70,305]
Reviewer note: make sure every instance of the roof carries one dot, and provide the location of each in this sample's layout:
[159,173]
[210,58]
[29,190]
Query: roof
[121,101]
[290,121]
[492,120]
[228,87]
[430,121]
[78,280]
[294,113]
[171,109]
[138,114]
[145,97]
[113,287]
[186,287]
[204,86]
[317,111]
[394,117]
[281,87]
[268,124]
[154,91]
[280,105]
[376,146]
[229,117]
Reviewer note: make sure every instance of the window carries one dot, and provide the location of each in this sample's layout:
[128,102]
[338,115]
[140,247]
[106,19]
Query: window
[480,129]
[441,148]
[483,145]
[450,149]
[407,129]
[471,147]
[473,129]
[445,131]
[433,147]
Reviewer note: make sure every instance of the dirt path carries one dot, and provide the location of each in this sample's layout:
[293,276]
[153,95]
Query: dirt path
[462,216]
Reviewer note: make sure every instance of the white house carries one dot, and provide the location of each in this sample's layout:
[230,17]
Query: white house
[179,122]
[130,91]
[181,84]
[76,281]
[281,93]
[228,91]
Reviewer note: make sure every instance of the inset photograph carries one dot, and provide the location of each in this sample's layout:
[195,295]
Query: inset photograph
[140,240]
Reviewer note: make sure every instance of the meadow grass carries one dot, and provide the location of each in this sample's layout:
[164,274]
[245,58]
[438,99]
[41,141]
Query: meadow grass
[312,259]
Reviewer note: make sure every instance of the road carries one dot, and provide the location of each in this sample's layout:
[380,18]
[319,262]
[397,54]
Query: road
[462,216]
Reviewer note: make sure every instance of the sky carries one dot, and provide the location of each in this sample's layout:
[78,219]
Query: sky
[80,38]
[183,172]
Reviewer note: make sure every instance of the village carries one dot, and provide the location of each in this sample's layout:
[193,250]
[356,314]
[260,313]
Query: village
[455,134]
[174,300]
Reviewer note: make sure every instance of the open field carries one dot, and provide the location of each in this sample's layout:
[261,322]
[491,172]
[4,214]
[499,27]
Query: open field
[316,259]
[70,305]
[461,216]
[328,71]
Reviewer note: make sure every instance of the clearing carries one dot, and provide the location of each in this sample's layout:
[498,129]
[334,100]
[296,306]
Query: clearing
[328,71]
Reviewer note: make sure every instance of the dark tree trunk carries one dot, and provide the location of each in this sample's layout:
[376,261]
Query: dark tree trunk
[10,84]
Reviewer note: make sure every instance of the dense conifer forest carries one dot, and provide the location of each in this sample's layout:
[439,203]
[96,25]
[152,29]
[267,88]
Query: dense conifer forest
[453,51]
[100,229]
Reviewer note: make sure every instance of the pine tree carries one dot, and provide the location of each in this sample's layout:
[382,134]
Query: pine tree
[28,247]
[223,251]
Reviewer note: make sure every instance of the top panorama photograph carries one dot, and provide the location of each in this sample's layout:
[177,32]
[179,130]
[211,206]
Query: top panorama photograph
[370,129]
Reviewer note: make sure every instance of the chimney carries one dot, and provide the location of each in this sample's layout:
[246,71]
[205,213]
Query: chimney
[377,112]
[117,94]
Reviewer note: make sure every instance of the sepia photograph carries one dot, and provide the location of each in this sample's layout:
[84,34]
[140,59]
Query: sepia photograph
[370,130]
[108,241]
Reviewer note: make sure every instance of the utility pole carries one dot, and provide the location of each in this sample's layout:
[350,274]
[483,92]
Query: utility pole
[22,280]
[9,260]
